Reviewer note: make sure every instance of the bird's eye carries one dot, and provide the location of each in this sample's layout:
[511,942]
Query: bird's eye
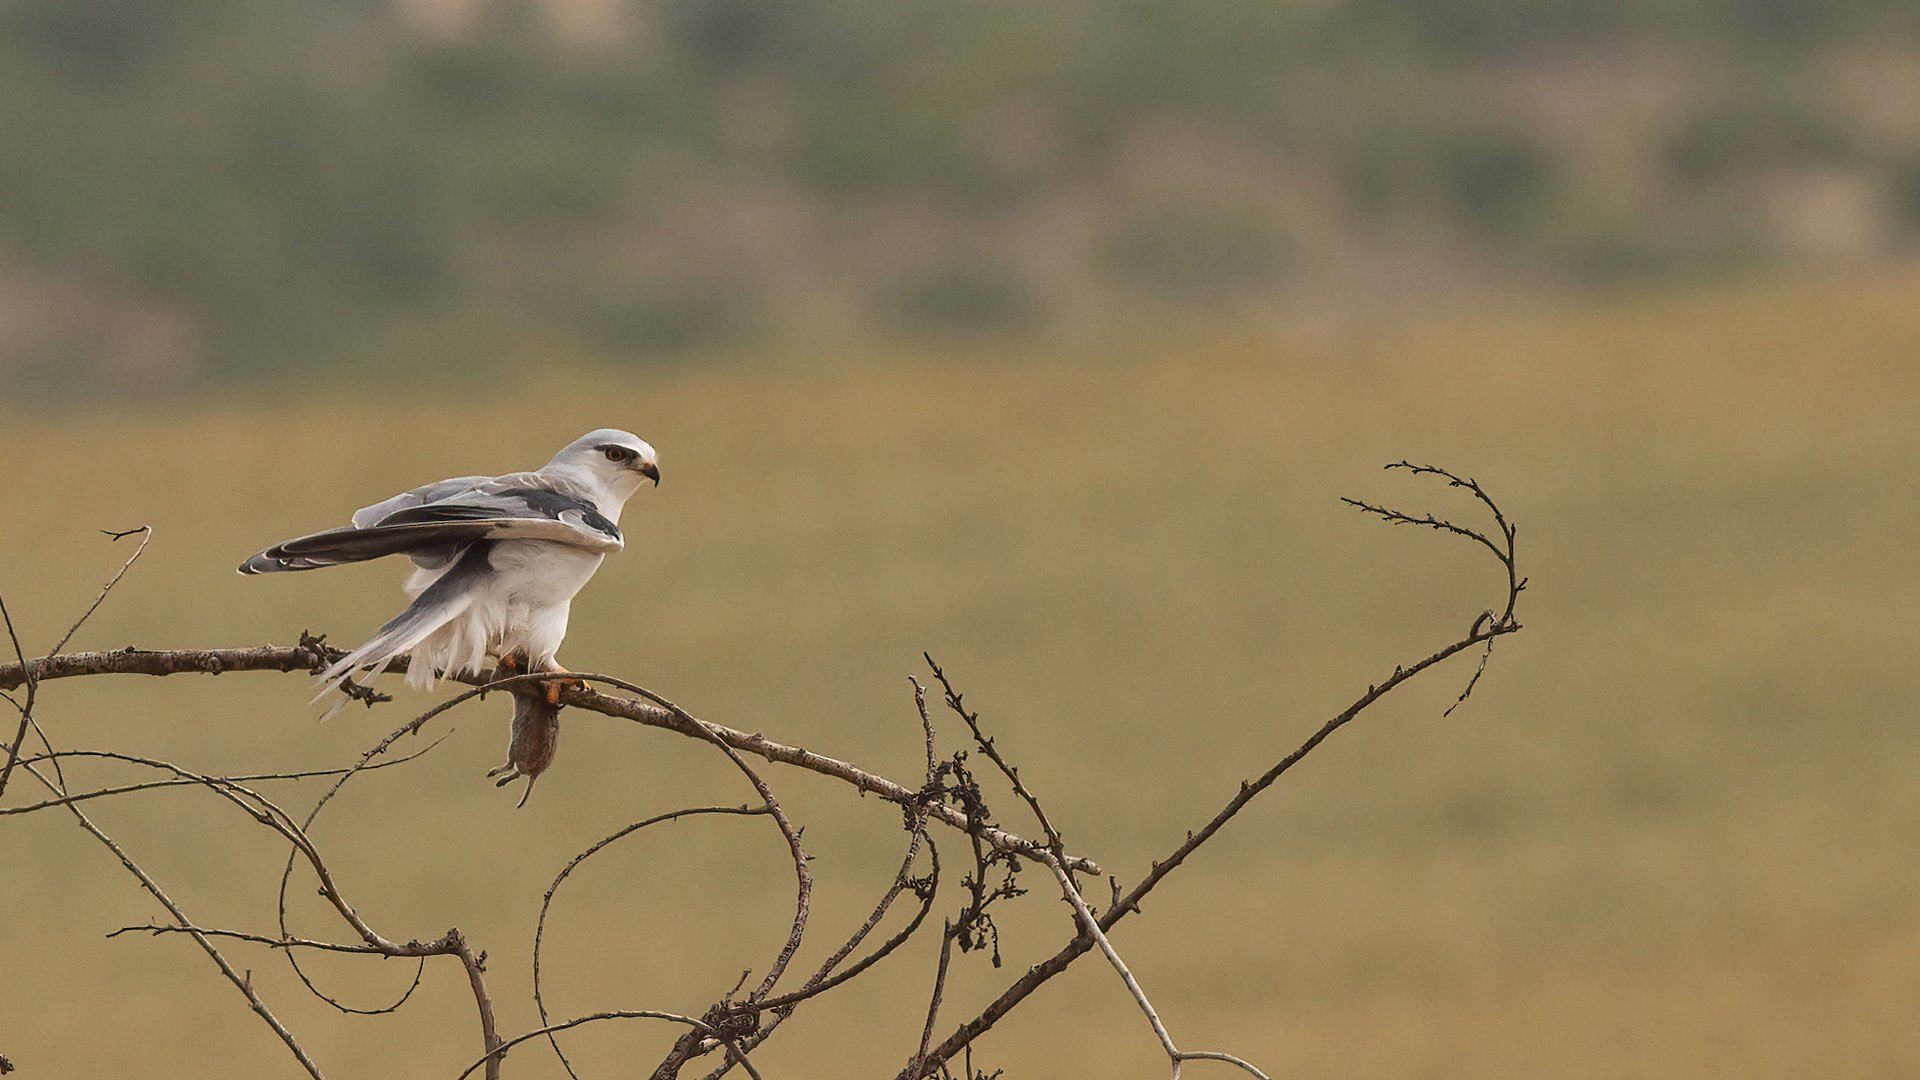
[617,453]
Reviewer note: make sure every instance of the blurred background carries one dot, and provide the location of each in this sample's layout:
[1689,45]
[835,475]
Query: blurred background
[1046,338]
[215,191]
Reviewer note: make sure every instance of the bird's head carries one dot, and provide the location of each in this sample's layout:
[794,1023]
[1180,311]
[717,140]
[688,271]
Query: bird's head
[613,460]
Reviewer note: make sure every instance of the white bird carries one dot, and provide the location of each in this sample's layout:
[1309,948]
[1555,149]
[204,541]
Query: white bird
[498,560]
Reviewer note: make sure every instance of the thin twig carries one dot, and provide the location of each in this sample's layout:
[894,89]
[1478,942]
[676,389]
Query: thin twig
[1091,926]
[632,1014]
[182,779]
[917,1068]
[926,888]
[147,530]
[725,1011]
[268,813]
[26,710]
[821,982]
[257,939]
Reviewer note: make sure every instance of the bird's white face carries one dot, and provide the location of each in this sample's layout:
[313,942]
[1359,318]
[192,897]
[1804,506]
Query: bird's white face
[615,461]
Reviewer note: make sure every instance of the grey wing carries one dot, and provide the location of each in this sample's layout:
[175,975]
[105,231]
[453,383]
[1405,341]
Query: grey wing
[428,557]
[433,531]
[435,492]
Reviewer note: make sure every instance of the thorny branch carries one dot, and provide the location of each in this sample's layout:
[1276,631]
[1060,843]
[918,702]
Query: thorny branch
[954,702]
[949,794]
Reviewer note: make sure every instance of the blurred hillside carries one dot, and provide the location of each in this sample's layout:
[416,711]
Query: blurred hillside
[221,191]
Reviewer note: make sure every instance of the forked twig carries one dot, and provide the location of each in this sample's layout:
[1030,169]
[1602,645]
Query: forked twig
[1091,926]
[146,537]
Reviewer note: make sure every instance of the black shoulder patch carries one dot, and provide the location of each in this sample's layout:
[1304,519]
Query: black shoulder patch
[552,504]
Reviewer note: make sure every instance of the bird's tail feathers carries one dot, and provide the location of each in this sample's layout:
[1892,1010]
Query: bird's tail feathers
[441,603]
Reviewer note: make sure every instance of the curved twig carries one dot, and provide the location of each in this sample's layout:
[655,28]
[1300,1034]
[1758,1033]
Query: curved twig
[180,780]
[628,1014]
[826,978]
[688,1046]
[546,903]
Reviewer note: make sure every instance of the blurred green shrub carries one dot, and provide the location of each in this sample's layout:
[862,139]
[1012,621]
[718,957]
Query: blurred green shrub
[1188,248]
[963,296]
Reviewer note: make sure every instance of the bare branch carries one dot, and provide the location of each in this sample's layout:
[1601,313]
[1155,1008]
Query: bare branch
[257,939]
[804,878]
[950,794]
[1502,551]
[182,778]
[918,1066]
[650,712]
[476,965]
[923,887]
[132,661]
[267,813]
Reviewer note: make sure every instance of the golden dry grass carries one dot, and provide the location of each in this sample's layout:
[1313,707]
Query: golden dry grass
[1671,835]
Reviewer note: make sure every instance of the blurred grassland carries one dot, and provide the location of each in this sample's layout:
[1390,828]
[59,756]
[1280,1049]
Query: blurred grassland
[1670,835]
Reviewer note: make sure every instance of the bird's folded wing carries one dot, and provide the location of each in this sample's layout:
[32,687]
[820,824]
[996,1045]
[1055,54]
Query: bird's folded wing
[518,506]
[438,491]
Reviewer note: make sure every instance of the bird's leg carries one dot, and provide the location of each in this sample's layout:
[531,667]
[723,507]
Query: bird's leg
[553,687]
[506,667]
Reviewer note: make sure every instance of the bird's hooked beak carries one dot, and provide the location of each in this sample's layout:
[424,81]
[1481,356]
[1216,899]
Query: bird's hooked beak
[651,471]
